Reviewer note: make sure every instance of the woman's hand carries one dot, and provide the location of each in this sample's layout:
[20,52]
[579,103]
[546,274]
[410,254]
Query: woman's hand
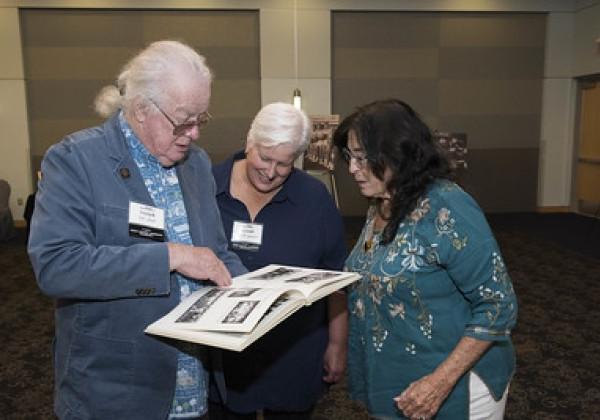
[334,362]
[423,398]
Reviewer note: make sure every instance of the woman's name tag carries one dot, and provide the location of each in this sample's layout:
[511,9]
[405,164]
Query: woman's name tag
[246,236]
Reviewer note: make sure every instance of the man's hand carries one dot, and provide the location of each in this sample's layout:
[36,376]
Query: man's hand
[199,263]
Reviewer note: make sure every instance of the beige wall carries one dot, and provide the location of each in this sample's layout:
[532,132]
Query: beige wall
[558,114]
[586,45]
[313,69]
[572,50]
[278,78]
[71,54]
[14,137]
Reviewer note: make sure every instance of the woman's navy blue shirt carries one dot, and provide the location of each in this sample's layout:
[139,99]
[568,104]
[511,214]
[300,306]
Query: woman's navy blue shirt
[283,370]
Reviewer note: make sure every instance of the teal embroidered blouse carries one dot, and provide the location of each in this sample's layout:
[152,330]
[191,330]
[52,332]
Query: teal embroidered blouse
[441,278]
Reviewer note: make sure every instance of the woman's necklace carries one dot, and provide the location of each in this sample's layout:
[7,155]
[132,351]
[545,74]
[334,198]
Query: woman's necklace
[376,225]
[368,244]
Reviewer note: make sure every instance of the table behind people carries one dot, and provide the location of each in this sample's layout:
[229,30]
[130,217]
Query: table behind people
[273,213]
[125,225]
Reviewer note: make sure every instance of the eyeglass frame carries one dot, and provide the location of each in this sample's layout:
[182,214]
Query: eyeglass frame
[179,129]
[348,156]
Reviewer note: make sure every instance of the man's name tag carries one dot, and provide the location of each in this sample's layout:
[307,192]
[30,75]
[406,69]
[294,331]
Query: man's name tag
[146,222]
[246,236]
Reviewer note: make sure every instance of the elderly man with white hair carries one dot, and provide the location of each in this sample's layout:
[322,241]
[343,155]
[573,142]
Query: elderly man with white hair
[125,226]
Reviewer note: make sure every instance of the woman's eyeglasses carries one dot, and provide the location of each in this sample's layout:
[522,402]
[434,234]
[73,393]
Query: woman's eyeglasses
[359,160]
[202,121]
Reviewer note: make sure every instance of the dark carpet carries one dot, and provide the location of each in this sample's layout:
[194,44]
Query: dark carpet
[554,261]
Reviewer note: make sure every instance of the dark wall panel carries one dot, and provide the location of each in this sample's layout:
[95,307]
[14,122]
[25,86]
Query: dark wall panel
[70,54]
[477,73]
[501,179]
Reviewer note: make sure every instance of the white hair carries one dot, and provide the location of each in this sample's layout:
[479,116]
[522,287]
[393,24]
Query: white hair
[280,123]
[147,74]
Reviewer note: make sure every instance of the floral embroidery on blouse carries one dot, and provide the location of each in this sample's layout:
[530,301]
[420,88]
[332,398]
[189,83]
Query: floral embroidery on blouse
[414,256]
[440,278]
[400,264]
[423,207]
[444,224]
[497,297]
[374,290]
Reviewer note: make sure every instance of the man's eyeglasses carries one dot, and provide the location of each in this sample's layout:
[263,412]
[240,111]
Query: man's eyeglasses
[180,129]
[359,160]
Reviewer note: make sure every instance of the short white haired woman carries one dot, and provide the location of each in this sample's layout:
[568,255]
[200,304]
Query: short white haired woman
[292,213]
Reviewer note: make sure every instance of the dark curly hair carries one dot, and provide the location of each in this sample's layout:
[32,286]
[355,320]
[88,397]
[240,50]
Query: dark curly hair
[394,136]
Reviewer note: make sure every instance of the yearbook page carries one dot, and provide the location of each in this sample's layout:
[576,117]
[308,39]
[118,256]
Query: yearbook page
[251,306]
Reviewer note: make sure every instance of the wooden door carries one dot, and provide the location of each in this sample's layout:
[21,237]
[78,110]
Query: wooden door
[588,157]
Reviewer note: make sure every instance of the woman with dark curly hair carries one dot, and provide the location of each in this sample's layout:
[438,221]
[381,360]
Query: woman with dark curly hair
[430,319]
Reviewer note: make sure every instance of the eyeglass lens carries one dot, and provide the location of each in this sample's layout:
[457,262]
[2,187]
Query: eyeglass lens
[358,160]
[179,129]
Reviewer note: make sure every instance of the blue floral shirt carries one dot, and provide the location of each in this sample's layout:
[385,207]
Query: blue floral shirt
[163,186]
[442,277]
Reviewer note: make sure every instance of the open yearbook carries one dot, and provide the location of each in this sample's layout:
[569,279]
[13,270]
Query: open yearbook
[234,317]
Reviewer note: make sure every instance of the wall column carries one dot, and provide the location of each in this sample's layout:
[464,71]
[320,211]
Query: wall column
[558,115]
[14,144]
[314,55]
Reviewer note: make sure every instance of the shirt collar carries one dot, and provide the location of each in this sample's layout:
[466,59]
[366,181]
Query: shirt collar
[136,147]
[224,181]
